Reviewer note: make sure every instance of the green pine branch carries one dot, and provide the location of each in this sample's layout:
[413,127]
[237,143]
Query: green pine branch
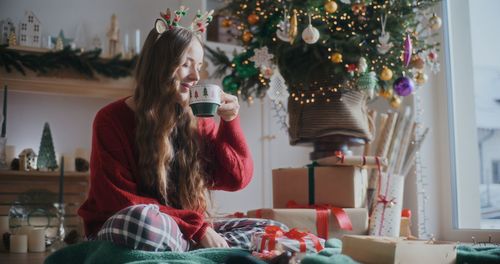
[87,63]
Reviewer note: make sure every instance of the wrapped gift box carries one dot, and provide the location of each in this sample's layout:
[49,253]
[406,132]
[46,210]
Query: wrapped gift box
[381,250]
[386,216]
[340,186]
[294,241]
[307,219]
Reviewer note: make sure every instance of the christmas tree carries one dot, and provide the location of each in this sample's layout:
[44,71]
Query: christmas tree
[321,47]
[46,153]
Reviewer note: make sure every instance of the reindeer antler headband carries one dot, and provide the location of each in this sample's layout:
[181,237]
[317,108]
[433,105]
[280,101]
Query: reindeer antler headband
[198,26]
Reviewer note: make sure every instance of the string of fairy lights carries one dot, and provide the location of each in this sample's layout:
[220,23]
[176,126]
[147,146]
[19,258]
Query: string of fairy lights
[267,23]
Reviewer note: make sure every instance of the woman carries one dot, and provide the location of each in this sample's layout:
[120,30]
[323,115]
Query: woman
[153,161]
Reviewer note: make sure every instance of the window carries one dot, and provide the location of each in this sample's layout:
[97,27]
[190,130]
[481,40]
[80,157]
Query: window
[496,172]
[23,26]
[36,28]
[23,37]
[30,19]
[470,140]
[35,39]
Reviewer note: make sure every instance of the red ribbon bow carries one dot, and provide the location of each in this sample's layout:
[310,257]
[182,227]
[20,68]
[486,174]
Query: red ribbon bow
[322,213]
[274,232]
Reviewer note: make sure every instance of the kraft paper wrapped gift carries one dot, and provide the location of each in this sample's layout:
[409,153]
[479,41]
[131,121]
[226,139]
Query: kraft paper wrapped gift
[307,219]
[382,250]
[340,186]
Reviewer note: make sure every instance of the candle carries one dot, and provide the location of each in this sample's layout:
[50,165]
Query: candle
[69,162]
[137,41]
[18,243]
[126,44]
[61,182]
[10,154]
[4,123]
[36,240]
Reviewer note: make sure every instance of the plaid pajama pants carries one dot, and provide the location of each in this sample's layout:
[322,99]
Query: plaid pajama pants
[144,227]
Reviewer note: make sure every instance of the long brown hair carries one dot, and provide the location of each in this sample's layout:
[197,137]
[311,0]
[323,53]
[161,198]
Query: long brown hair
[166,134]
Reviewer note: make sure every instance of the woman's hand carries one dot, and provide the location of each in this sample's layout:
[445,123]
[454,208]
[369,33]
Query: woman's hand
[229,108]
[213,240]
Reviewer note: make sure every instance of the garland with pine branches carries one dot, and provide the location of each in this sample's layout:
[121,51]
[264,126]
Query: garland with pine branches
[87,63]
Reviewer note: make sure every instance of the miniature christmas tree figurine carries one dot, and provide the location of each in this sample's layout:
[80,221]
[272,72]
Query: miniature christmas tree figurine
[46,153]
[12,39]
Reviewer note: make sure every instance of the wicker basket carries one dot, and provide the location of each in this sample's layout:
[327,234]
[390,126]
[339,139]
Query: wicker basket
[344,116]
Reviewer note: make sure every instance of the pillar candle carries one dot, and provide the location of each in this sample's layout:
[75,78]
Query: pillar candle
[18,243]
[69,162]
[137,41]
[4,228]
[125,46]
[10,154]
[36,240]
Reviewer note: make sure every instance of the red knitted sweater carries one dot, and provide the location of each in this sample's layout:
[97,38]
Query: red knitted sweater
[113,168]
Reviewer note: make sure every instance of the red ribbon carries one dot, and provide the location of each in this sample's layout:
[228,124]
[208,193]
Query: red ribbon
[383,198]
[322,212]
[236,215]
[274,232]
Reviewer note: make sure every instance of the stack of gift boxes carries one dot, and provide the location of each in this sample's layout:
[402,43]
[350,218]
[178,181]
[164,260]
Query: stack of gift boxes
[326,198]
[330,199]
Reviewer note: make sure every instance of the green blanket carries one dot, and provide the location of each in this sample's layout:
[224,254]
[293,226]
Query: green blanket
[108,253]
[477,254]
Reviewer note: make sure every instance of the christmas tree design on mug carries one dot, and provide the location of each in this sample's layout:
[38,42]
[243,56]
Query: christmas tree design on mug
[206,99]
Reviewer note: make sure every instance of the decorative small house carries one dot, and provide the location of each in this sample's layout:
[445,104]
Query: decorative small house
[6,27]
[30,31]
[27,160]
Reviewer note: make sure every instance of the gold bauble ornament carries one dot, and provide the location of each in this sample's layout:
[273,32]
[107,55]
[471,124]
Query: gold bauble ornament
[331,6]
[247,36]
[395,102]
[226,22]
[385,74]
[386,93]
[417,62]
[293,27]
[253,19]
[421,78]
[336,57]
[435,22]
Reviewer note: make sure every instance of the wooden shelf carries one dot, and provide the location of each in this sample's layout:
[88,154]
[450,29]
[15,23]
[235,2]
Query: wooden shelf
[7,175]
[65,82]
[102,88]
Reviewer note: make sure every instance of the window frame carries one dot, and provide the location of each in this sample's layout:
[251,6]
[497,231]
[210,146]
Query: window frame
[455,161]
